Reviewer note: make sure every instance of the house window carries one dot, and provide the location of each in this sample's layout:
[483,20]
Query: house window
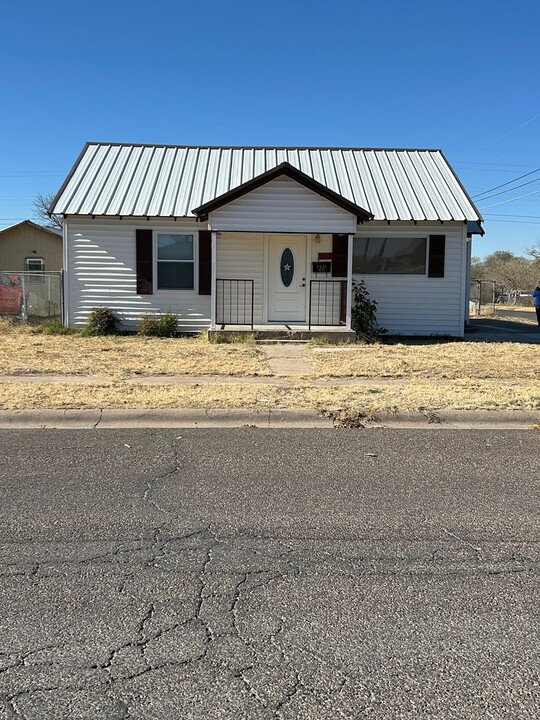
[400,256]
[175,262]
[32,264]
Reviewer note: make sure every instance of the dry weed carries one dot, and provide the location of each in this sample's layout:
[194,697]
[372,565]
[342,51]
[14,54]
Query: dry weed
[22,351]
[454,360]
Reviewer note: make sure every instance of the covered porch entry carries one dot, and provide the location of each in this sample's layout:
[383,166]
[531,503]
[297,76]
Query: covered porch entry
[282,282]
[281,255]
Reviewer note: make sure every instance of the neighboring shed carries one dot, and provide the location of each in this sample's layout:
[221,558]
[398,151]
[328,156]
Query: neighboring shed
[29,246]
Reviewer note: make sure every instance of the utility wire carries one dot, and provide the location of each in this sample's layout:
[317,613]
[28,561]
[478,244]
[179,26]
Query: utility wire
[503,192]
[507,183]
[503,202]
[501,137]
[514,222]
[533,217]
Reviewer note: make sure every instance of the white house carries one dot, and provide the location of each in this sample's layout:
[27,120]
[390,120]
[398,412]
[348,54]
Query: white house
[266,237]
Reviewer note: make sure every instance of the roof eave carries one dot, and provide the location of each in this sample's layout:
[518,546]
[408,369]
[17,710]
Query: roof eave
[285,168]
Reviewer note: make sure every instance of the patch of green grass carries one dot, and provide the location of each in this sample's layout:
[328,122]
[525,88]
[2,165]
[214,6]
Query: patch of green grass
[233,338]
[55,327]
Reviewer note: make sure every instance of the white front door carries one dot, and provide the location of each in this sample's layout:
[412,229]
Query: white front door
[287,278]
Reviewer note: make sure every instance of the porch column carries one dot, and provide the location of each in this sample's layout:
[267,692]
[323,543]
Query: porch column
[213,284]
[348,318]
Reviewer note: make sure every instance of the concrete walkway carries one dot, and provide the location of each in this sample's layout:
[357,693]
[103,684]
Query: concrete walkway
[287,359]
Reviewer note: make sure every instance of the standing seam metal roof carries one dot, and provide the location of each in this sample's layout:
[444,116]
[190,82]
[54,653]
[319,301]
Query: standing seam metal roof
[112,179]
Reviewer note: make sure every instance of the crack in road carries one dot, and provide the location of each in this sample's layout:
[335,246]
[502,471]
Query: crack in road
[204,606]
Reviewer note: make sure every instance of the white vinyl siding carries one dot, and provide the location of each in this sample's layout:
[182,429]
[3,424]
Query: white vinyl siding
[101,269]
[283,205]
[418,304]
[240,256]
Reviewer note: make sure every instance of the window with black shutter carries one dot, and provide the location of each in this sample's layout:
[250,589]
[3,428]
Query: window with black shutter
[144,262]
[340,251]
[437,248]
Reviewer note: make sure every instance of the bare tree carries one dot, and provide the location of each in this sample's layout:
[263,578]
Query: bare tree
[41,211]
[515,273]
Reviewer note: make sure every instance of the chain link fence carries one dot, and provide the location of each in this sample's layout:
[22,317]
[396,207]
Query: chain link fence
[31,296]
[486,296]
[483,297]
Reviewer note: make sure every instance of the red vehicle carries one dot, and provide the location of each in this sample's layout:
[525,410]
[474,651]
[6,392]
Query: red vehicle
[11,294]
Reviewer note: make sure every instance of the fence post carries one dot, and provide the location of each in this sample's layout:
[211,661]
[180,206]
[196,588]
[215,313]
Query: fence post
[49,295]
[24,307]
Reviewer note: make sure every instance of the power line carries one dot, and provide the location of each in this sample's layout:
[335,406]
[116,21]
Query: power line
[503,202]
[507,183]
[491,165]
[501,137]
[535,217]
[514,222]
[503,192]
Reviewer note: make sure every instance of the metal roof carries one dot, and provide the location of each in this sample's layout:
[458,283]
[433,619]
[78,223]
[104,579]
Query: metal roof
[114,179]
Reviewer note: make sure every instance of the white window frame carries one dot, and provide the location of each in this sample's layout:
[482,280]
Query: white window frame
[32,258]
[195,261]
[395,237]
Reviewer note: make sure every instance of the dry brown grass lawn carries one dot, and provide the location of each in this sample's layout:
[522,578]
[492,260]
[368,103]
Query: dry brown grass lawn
[411,396]
[24,351]
[453,360]
[430,377]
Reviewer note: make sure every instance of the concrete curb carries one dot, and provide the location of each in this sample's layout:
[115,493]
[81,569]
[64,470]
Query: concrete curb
[459,419]
[271,418]
[173,418]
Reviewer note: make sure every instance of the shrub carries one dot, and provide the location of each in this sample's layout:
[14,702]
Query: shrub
[167,324]
[55,327]
[149,326]
[364,313]
[101,321]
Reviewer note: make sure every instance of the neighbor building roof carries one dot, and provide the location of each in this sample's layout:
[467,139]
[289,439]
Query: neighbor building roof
[114,179]
[30,223]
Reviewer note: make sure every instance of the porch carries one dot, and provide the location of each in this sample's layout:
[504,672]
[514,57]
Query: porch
[282,285]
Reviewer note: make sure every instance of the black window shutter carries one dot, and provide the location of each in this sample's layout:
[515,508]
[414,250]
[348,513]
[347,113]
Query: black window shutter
[340,247]
[437,247]
[145,269]
[205,262]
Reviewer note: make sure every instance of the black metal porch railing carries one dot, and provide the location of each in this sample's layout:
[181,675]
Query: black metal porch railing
[327,302]
[234,302]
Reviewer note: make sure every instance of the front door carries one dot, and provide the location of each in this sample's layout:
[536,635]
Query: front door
[287,278]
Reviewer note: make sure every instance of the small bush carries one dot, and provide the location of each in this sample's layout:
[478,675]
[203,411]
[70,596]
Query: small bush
[55,327]
[167,324]
[149,326]
[101,321]
[364,313]
[158,325]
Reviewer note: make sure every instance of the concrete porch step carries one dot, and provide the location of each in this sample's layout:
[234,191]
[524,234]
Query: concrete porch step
[283,334]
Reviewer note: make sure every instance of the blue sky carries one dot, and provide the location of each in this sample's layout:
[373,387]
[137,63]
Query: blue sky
[462,76]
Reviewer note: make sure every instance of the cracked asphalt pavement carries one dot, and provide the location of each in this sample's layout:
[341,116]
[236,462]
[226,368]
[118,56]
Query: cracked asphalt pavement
[293,574]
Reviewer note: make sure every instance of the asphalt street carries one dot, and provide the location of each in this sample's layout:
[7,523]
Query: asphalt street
[258,574]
